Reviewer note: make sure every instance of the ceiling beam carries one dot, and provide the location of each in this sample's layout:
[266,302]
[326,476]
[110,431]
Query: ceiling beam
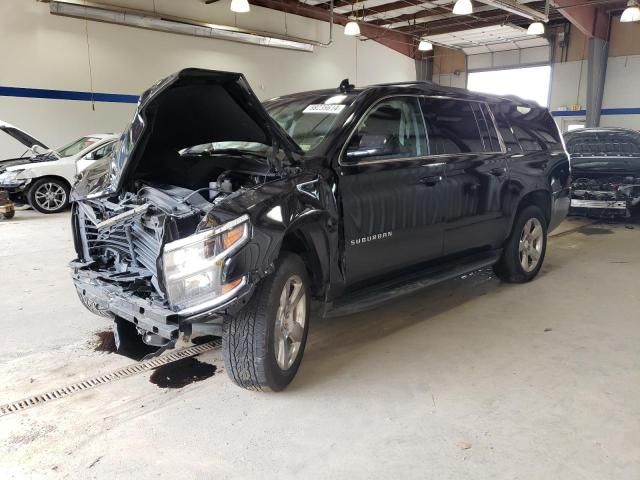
[399,41]
[592,20]
[426,13]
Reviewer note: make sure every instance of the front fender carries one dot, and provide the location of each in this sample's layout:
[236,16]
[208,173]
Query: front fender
[295,214]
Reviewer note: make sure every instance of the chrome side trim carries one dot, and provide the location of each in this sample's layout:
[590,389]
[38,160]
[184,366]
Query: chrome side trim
[606,204]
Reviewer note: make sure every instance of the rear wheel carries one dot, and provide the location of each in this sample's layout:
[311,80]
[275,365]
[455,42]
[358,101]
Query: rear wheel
[525,248]
[49,195]
[264,343]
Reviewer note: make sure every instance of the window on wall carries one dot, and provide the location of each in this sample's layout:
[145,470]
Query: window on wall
[529,83]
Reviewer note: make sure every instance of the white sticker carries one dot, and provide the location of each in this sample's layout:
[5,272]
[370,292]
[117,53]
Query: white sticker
[324,108]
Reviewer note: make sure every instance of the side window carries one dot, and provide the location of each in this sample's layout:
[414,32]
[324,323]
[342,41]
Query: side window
[508,137]
[451,126]
[527,138]
[101,152]
[393,129]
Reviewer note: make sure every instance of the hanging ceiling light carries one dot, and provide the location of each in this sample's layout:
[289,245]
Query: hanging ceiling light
[352,29]
[240,6]
[631,13]
[425,46]
[536,28]
[463,7]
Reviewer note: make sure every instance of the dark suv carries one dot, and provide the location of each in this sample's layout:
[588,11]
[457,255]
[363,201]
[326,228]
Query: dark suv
[237,216]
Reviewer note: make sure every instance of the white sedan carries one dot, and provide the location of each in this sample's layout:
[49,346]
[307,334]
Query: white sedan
[44,179]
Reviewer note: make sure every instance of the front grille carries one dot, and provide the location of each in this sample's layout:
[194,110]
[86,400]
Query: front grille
[137,242]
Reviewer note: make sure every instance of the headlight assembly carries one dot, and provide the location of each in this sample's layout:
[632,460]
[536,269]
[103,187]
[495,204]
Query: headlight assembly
[10,176]
[193,267]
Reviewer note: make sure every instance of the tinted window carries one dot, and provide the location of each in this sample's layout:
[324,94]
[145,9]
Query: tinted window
[392,129]
[451,126]
[526,137]
[509,139]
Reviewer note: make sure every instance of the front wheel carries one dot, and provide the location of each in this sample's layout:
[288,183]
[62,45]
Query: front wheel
[525,248]
[263,345]
[49,195]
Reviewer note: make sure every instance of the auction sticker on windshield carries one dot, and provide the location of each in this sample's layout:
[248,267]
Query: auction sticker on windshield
[324,108]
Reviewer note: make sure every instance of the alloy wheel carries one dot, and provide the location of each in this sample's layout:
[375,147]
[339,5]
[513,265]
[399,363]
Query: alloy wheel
[531,244]
[50,196]
[290,322]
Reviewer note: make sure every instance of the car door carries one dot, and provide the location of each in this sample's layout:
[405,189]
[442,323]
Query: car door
[463,133]
[390,192]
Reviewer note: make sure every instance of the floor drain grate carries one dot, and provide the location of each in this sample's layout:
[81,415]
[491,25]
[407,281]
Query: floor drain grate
[93,382]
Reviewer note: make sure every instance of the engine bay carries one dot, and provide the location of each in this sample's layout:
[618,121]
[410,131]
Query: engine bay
[121,239]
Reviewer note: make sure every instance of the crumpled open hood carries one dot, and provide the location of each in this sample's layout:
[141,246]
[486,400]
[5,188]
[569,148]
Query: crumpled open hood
[192,107]
[21,136]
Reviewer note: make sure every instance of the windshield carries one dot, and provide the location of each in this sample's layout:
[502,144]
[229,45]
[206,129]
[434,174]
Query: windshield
[77,146]
[309,119]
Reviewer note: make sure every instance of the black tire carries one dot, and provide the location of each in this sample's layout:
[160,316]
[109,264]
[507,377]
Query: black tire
[510,268]
[40,187]
[128,341]
[92,307]
[248,338]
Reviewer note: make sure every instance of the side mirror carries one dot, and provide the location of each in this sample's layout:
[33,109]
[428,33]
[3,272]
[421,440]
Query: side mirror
[92,156]
[363,146]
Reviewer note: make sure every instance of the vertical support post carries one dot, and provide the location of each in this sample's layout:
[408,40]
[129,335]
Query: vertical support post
[596,72]
[424,69]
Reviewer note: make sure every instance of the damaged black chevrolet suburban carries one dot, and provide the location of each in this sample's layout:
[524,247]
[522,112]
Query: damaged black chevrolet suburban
[218,212]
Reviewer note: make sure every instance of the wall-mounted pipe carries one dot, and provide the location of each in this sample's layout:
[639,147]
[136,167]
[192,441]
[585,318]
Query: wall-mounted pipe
[139,19]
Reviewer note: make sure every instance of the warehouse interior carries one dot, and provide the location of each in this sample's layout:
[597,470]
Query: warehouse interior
[469,378]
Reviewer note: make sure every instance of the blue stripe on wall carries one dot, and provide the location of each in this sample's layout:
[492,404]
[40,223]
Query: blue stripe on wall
[604,111]
[123,98]
[67,95]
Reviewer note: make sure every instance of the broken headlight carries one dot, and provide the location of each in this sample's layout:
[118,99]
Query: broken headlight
[193,267]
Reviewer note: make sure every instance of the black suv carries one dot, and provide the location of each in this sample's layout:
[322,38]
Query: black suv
[220,211]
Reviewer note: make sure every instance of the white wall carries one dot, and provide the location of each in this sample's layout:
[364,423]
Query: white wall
[40,50]
[620,88]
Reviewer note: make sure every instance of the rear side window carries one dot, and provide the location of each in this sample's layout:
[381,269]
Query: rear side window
[508,137]
[392,129]
[452,127]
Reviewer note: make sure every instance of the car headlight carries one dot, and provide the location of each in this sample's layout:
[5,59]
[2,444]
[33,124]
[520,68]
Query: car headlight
[193,267]
[10,176]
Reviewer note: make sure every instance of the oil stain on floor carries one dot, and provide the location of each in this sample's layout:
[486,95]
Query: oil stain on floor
[105,342]
[182,373]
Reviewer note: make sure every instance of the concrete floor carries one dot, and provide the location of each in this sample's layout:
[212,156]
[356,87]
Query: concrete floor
[472,379]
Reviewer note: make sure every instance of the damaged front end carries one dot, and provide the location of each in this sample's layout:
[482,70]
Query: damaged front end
[605,196]
[162,240]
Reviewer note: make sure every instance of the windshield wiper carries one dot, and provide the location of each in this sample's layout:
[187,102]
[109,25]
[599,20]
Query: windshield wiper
[231,151]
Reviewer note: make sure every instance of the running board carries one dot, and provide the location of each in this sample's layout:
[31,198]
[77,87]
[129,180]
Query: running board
[378,294]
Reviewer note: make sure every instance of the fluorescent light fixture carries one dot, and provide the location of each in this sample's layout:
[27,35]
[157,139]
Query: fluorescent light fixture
[463,7]
[240,6]
[352,29]
[536,28]
[425,46]
[631,13]
[173,25]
